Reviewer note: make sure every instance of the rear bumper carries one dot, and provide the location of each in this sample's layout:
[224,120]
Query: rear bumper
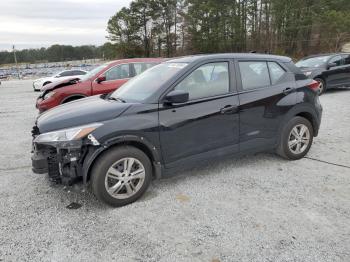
[318,118]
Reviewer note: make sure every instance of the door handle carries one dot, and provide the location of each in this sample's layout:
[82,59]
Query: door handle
[229,109]
[288,90]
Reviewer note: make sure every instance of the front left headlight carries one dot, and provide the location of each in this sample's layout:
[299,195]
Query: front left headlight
[307,73]
[48,95]
[69,134]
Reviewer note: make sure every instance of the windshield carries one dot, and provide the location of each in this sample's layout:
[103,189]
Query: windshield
[57,74]
[313,62]
[144,85]
[93,72]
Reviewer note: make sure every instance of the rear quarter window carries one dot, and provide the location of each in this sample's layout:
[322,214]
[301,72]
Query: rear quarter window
[296,71]
[276,72]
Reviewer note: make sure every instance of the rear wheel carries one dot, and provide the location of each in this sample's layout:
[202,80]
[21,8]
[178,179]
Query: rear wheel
[322,87]
[121,176]
[296,139]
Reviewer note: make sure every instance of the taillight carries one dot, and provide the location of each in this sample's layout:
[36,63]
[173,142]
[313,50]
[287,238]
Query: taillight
[314,85]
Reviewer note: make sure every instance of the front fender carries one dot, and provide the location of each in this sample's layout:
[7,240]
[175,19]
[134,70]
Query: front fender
[94,152]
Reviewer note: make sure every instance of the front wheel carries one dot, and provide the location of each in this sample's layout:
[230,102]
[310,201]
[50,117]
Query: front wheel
[121,176]
[296,139]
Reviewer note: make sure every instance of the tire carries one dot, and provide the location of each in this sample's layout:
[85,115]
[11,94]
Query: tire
[115,160]
[323,86]
[286,149]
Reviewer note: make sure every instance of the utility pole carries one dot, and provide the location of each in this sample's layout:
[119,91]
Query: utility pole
[14,55]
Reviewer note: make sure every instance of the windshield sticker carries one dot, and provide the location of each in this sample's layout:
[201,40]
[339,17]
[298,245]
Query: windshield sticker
[177,65]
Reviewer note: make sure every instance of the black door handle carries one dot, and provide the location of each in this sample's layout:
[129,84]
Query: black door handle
[288,90]
[229,109]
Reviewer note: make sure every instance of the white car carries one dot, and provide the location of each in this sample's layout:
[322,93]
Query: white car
[39,83]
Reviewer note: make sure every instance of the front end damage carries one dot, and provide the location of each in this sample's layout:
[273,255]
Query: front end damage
[63,160]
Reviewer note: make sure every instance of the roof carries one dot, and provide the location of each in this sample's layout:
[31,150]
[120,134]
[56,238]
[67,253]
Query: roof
[196,58]
[135,60]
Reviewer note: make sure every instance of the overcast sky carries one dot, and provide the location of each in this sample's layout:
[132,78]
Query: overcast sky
[38,23]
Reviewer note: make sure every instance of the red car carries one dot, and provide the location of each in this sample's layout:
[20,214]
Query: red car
[101,80]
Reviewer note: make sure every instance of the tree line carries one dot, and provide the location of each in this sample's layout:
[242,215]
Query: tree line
[148,28]
[56,53]
[178,27]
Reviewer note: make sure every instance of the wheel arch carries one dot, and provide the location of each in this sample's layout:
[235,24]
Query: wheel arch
[304,111]
[320,76]
[138,142]
[72,98]
[308,116]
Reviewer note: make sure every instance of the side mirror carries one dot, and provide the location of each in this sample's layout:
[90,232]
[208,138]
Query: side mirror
[100,79]
[330,65]
[177,97]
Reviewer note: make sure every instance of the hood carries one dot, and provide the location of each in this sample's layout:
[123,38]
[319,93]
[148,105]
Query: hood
[80,112]
[308,69]
[61,83]
[312,72]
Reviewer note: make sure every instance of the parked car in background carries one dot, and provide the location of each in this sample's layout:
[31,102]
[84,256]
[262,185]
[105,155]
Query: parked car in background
[330,70]
[180,113]
[38,84]
[101,80]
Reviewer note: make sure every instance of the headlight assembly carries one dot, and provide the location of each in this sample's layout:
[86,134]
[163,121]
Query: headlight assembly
[65,135]
[48,95]
[307,73]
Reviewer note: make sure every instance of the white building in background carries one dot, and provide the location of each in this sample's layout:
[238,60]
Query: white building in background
[346,48]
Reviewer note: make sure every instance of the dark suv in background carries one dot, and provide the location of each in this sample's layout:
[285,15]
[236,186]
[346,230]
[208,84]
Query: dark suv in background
[177,114]
[330,70]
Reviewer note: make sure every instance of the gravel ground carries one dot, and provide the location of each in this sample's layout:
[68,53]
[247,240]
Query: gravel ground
[255,208]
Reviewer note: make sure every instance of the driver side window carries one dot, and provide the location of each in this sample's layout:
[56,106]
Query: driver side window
[118,72]
[208,80]
[336,60]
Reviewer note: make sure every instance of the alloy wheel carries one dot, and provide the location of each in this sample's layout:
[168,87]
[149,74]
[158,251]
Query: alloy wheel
[299,139]
[125,178]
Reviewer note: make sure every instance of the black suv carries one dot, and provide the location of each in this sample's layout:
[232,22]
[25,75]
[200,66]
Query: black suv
[330,70]
[176,114]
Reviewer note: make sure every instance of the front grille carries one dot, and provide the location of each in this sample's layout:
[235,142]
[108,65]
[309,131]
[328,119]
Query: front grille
[53,168]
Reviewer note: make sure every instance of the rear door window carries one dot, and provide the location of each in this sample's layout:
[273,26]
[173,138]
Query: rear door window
[65,73]
[78,72]
[141,67]
[254,74]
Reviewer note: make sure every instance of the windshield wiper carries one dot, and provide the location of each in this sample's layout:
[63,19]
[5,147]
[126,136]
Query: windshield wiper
[116,99]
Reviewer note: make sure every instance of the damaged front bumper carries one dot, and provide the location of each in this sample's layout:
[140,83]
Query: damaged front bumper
[63,161]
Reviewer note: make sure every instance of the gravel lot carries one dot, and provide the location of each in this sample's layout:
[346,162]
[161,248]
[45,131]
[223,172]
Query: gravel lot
[255,208]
